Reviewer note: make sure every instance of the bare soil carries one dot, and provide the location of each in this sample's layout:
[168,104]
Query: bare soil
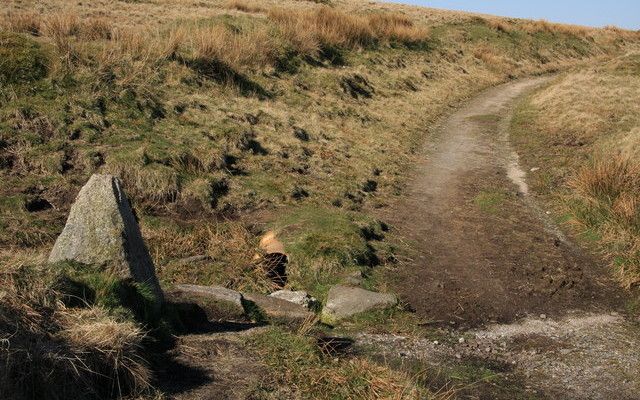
[481,252]
[511,295]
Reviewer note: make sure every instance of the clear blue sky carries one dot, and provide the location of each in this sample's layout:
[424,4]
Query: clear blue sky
[598,13]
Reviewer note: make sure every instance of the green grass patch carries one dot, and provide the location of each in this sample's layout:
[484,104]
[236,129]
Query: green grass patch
[323,243]
[296,362]
[491,201]
[22,60]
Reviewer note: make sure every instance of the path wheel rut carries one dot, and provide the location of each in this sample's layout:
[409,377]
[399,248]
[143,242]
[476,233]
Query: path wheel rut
[488,264]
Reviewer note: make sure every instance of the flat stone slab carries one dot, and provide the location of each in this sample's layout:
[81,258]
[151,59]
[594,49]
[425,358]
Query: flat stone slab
[277,308]
[344,302]
[298,297]
[217,293]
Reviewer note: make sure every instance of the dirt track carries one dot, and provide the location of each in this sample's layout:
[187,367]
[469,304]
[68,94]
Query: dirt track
[482,253]
[489,265]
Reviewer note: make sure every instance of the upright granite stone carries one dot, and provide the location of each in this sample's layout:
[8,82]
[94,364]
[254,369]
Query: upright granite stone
[101,230]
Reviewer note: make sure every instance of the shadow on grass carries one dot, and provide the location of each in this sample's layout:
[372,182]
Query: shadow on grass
[225,75]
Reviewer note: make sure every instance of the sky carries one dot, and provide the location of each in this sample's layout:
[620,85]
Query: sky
[596,13]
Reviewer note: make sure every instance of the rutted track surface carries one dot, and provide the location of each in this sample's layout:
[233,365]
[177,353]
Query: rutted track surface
[490,268]
[482,253]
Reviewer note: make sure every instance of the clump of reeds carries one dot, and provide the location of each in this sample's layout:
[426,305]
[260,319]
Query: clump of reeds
[608,190]
[49,350]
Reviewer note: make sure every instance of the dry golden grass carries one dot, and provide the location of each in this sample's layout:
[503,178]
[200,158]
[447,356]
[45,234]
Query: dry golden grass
[27,22]
[248,48]
[174,41]
[499,24]
[245,6]
[622,33]
[231,247]
[397,27]
[48,350]
[309,30]
[609,192]
[326,27]
[60,24]
[602,103]
[545,26]
[490,56]
[96,29]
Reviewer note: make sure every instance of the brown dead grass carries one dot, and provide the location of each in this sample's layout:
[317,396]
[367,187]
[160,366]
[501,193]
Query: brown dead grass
[554,28]
[609,193]
[490,56]
[230,246]
[57,24]
[309,30]
[249,48]
[50,351]
[245,6]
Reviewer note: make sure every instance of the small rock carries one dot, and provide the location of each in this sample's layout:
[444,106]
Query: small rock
[218,293]
[343,302]
[298,297]
[277,308]
[487,349]
[436,342]
[354,281]
[543,316]
[535,169]
[461,340]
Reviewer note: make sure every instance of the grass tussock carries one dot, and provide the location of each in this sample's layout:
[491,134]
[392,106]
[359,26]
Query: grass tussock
[625,34]
[220,47]
[307,31]
[50,350]
[608,201]
[544,26]
[58,25]
[244,6]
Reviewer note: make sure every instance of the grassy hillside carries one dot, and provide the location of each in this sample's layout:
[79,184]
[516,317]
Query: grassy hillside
[583,131]
[227,119]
